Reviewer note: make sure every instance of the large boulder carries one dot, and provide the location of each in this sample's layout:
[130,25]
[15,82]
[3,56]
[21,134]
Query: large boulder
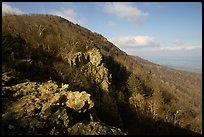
[79,101]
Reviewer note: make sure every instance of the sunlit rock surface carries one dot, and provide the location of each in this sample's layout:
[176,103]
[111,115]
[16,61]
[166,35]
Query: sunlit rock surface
[47,108]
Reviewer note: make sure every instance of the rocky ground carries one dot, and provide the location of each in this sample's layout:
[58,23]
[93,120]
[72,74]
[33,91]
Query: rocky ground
[49,108]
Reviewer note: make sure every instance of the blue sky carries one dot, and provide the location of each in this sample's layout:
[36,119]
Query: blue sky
[139,28]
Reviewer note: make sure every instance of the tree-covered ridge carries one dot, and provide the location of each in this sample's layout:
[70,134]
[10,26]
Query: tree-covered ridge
[128,93]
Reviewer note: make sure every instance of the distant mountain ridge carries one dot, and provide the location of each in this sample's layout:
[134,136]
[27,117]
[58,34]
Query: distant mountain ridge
[181,67]
[47,60]
[191,64]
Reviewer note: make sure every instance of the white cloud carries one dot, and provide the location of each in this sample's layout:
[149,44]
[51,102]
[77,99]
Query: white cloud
[126,42]
[7,9]
[148,43]
[126,10]
[70,14]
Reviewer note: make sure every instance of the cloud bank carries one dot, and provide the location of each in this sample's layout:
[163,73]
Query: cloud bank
[138,42]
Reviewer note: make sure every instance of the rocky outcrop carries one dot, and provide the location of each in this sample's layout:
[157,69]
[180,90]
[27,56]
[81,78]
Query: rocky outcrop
[48,108]
[91,64]
[98,69]
[95,57]
[77,59]
[45,98]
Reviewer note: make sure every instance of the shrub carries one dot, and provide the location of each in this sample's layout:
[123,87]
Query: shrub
[134,85]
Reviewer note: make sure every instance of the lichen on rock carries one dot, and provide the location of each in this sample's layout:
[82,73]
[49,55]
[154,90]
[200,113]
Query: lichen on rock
[45,109]
[95,57]
[79,101]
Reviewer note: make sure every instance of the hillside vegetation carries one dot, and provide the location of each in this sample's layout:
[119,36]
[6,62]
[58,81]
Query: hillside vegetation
[75,81]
